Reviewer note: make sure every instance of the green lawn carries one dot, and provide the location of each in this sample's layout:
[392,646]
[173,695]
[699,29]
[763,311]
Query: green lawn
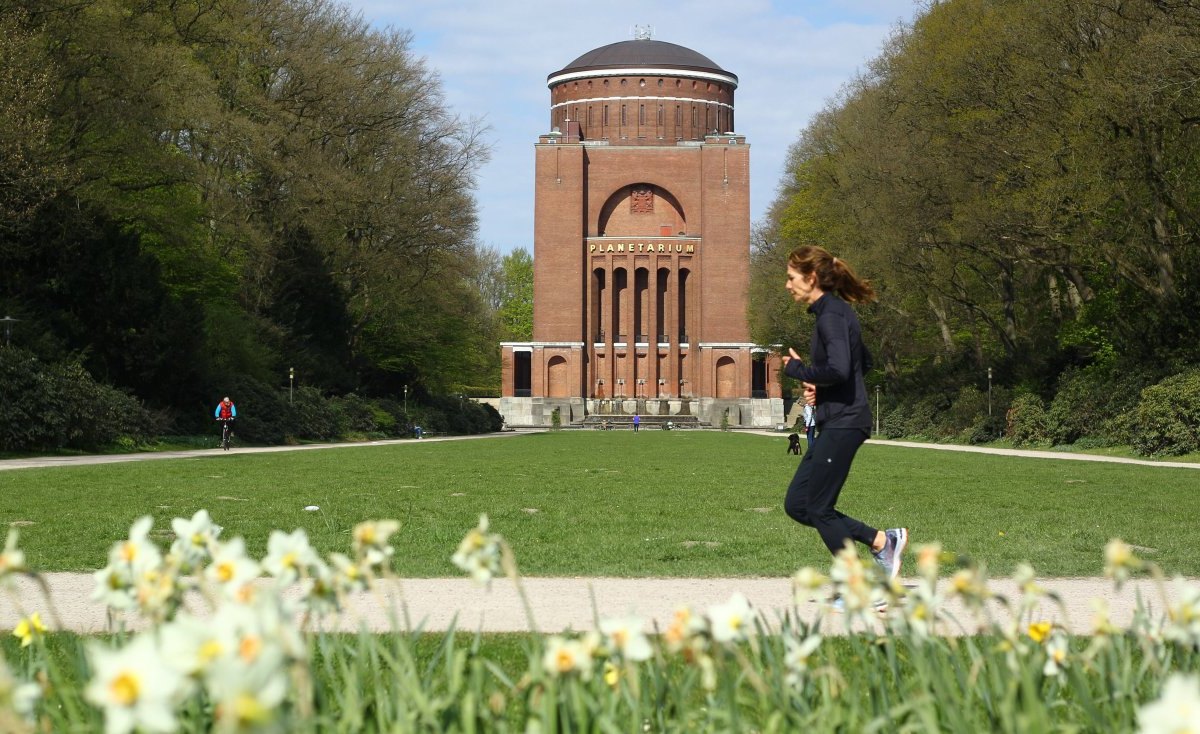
[656,503]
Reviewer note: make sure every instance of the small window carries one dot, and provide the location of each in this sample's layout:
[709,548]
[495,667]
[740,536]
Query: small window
[641,114]
[624,119]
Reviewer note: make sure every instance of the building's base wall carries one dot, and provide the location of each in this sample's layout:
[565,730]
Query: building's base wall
[539,412]
[741,412]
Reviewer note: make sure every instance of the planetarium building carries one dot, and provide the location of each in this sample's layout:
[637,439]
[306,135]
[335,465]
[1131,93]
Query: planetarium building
[641,250]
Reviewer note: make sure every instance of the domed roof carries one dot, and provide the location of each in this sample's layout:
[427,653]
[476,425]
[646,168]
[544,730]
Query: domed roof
[638,54]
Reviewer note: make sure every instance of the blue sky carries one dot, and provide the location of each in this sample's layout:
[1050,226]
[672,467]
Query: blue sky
[791,58]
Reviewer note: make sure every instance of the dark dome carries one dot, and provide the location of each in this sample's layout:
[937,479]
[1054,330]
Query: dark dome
[642,53]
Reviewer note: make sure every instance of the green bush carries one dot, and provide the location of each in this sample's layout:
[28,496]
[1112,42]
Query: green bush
[355,414]
[1167,420]
[263,414]
[1090,403]
[1028,424]
[50,406]
[311,416]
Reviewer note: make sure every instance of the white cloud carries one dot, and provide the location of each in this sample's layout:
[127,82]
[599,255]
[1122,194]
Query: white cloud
[791,57]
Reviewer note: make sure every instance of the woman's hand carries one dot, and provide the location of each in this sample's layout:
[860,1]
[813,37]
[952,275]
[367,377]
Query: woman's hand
[790,356]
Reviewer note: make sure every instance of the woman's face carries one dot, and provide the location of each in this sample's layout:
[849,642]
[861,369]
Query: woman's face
[802,287]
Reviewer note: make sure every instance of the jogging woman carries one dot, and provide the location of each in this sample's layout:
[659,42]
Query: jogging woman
[834,385]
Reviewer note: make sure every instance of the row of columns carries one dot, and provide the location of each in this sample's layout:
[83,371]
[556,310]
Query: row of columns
[633,377]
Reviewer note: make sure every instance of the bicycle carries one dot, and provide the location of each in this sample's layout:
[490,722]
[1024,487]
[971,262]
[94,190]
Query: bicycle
[226,433]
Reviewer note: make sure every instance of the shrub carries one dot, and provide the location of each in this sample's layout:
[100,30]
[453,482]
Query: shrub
[1167,420]
[50,406]
[263,414]
[1090,403]
[312,416]
[1027,421]
[355,415]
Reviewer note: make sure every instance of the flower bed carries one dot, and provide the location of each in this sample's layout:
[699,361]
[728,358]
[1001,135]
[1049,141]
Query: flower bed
[252,658]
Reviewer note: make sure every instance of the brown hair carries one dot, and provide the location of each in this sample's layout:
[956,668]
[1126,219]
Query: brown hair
[833,275]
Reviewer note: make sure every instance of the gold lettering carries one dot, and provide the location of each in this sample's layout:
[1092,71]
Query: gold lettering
[690,249]
[640,246]
[620,247]
[678,247]
[660,247]
[610,247]
[592,247]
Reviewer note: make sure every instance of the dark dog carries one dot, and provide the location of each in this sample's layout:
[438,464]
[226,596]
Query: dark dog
[793,443]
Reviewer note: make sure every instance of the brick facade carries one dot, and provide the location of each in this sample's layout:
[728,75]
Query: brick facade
[641,246]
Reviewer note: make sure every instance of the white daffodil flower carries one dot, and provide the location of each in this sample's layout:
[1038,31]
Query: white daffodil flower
[247,698]
[134,687]
[194,539]
[564,657]
[12,559]
[231,570]
[731,621]
[625,636]
[479,553]
[289,555]
[193,646]
[349,576]
[796,658]
[1176,711]
[370,540]
[1183,616]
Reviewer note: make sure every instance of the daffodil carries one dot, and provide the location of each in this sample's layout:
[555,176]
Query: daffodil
[194,646]
[796,658]
[231,570]
[1119,561]
[247,698]
[1056,654]
[1177,709]
[12,559]
[195,539]
[1183,616]
[1039,631]
[565,657]
[731,621]
[134,687]
[370,541]
[30,629]
[479,553]
[806,582]
[929,560]
[289,555]
[625,636]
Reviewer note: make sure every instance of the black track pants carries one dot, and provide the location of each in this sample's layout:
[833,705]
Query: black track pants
[813,494]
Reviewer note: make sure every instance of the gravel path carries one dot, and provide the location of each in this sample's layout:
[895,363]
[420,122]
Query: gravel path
[558,604]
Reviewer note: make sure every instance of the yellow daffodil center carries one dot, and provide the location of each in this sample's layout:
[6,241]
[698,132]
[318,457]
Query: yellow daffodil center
[125,688]
[225,571]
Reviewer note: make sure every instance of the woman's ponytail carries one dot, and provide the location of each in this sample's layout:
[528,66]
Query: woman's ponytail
[834,275]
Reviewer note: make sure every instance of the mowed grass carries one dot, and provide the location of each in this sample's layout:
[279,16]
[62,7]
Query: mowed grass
[655,503]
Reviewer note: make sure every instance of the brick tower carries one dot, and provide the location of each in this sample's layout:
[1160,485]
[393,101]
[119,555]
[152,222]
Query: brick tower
[641,249]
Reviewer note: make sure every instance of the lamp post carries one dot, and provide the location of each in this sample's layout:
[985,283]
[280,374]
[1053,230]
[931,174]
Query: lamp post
[989,392]
[291,382]
[406,401]
[8,322]
[877,410]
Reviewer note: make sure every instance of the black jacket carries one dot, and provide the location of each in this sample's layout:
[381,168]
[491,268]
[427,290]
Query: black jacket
[839,361]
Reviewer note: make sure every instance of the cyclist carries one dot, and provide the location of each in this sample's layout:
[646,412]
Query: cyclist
[225,413]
